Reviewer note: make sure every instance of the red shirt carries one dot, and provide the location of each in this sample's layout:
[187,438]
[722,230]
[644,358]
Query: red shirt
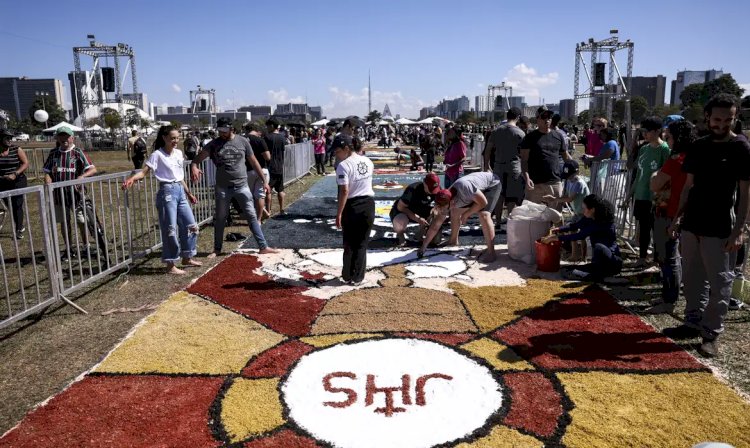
[673,168]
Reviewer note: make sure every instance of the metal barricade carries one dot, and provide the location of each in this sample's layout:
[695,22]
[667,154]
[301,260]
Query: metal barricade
[36,158]
[298,159]
[610,179]
[29,274]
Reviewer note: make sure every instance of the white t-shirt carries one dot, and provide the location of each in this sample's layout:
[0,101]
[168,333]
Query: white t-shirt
[167,168]
[356,172]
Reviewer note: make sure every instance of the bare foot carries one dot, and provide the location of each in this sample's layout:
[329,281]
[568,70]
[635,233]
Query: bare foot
[191,262]
[487,257]
[175,270]
[268,250]
[264,214]
[212,255]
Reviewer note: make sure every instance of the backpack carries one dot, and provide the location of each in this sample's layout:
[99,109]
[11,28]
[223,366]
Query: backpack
[139,147]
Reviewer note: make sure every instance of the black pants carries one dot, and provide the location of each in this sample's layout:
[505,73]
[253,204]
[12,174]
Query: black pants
[645,215]
[138,161]
[16,202]
[320,163]
[356,221]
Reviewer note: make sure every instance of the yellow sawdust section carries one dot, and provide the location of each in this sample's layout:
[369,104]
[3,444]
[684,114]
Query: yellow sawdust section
[187,334]
[251,408]
[395,276]
[503,437]
[671,410]
[393,309]
[493,306]
[333,339]
[498,355]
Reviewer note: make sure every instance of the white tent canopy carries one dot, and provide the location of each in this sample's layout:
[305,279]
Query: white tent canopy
[405,121]
[322,122]
[431,120]
[384,123]
[61,124]
[95,127]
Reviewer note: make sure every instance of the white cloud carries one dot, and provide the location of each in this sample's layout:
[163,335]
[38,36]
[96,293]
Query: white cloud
[281,96]
[745,86]
[176,88]
[527,82]
[480,85]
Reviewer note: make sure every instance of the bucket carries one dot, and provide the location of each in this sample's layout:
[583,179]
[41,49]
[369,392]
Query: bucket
[548,256]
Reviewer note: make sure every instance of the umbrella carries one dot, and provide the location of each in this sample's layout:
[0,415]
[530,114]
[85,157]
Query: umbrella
[322,122]
[405,121]
[356,121]
[61,124]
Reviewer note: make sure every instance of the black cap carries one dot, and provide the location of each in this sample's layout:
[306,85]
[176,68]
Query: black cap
[570,168]
[5,133]
[223,122]
[342,141]
[542,111]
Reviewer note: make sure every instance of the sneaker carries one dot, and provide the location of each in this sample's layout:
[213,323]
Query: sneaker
[709,348]
[661,308]
[356,284]
[735,304]
[683,331]
[641,263]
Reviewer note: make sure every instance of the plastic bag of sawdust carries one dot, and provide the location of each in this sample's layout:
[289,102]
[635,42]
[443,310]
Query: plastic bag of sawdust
[526,224]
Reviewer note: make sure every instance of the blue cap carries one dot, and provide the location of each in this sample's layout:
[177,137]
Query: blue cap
[671,119]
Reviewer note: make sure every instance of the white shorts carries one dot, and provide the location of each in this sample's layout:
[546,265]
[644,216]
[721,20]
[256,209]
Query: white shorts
[256,183]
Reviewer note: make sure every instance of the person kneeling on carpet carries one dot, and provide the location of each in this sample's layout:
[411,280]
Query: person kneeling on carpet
[597,224]
[415,204]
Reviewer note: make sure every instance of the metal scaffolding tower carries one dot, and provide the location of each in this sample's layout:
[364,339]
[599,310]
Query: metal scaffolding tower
[89,89]
[491,98]
[613,89]
[203,101]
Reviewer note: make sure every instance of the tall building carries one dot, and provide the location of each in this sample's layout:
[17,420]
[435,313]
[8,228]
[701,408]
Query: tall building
[292,108]
[258,112]
[652,88]
[316,113]
[482,105]
[426,112]
[17,95]
[139,99]
[452,109]
[567,109]
[688,77]
[173,110]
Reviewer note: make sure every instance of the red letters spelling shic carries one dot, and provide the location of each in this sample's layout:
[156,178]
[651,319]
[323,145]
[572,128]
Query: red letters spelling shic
[371,389]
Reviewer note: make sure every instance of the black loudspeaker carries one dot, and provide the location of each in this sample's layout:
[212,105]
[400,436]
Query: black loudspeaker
[204,105]
[499,102]
[599,74]
[108,79]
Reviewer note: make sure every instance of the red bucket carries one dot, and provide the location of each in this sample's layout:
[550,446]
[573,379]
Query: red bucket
[547,256]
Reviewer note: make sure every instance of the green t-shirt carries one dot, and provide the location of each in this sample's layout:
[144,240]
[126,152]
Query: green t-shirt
[650,159]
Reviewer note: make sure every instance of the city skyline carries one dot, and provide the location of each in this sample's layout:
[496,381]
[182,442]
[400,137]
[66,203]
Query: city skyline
[414,60]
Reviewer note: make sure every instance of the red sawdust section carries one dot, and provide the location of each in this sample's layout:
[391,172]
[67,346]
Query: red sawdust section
[276,361]
[452,339]
[127,411]
[592,332]
[283,439]
[280,307]
[535,404]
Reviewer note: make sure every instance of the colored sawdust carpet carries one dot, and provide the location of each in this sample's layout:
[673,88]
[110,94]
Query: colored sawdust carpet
[274,351]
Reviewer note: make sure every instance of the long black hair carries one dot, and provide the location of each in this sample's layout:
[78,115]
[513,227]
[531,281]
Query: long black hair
[683,133]
[604,213]
[164,131]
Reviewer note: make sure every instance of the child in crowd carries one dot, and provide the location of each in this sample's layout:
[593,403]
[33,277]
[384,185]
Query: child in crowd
[574,192]
[597,224]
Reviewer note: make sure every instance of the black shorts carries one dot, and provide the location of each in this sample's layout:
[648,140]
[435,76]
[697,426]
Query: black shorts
[276,181]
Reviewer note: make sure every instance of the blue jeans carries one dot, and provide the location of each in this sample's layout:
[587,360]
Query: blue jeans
[179,232]
[669,259]
[224,196]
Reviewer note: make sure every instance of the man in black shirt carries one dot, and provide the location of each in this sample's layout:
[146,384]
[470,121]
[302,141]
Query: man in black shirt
[255,180]
[541,150]
[415,204]
[711,232]
[276,141]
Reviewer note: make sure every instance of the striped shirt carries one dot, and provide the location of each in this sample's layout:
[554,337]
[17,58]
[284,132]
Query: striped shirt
[9,162]
[66,165]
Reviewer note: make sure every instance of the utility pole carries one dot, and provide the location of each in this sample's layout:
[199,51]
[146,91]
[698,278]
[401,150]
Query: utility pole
[369,94]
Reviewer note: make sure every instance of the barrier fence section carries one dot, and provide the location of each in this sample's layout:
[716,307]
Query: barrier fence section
[78,232]
[298,159]
[610,179]
[27,270]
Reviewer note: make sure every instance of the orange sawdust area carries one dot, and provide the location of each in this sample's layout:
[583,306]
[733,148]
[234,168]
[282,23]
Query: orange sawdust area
[207,367]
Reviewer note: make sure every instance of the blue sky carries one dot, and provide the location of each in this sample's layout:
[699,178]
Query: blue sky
[418,51]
